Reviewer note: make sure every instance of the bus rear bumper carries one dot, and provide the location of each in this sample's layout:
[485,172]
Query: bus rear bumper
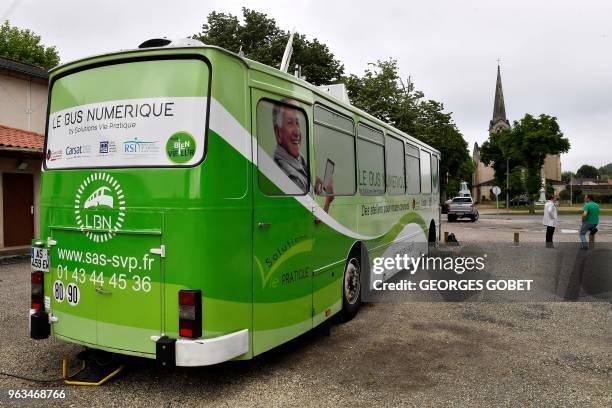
[201,352]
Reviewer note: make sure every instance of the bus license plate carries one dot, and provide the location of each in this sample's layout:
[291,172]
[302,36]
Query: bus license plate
[40,259]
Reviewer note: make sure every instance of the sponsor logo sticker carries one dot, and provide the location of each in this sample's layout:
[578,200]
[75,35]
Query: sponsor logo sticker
[77,151]
[181,147]
[107,147]
[136,146]
[53,155]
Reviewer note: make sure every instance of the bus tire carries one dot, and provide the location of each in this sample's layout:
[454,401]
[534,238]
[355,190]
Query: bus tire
[351,286]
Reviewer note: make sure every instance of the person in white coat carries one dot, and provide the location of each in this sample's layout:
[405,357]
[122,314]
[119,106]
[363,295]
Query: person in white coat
[551,219]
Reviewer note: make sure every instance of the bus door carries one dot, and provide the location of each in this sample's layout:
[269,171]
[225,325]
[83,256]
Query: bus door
[107,287]
[129,300]
[282,232]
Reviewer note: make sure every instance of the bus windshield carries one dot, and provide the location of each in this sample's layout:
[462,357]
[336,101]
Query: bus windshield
[136,114]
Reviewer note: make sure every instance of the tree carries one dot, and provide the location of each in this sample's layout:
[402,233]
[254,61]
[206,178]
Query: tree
[516,181]
[606,171]
[587,171]
[565,195]
[381,93]
[566,176]
[492,154]
[23,45]
[527,142]
[260,39]
[436,128]
[377,91]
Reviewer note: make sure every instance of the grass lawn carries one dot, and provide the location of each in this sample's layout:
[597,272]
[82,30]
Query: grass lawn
[605,209]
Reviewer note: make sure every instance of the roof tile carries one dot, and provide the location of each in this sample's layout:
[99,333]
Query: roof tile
[23,139]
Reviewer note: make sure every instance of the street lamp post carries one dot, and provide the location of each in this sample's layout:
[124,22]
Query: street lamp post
[508,184]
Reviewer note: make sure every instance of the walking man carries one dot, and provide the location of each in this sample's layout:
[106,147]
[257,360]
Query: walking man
[590,219]
[551,220]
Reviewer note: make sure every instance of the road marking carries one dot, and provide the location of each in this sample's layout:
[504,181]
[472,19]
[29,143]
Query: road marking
[569,231]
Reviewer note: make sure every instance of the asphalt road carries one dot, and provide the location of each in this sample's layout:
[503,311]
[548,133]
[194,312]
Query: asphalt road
[391,354]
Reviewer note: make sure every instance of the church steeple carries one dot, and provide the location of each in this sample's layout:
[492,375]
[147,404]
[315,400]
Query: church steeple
[499,120]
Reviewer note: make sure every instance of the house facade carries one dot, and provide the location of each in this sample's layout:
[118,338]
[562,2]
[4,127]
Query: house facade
[23,106]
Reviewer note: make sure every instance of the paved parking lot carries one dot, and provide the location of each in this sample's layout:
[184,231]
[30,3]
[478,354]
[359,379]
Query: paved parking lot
[411,354]
[501,228]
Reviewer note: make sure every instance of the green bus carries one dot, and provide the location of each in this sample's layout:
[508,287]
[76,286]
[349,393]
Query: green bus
[198,207]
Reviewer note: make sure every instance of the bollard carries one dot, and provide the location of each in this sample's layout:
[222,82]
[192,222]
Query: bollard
[446,237]
[591,241]
[516,238]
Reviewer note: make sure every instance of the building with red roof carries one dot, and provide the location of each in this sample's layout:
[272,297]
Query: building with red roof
[23,106]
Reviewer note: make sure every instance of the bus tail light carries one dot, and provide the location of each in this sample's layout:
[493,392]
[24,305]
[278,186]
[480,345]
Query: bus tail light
[37,291]
[190,313]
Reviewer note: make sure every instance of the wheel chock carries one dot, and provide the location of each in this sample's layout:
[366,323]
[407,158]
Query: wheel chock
[90,373]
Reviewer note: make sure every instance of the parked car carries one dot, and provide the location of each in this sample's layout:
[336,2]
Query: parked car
[520,200]
[462,207]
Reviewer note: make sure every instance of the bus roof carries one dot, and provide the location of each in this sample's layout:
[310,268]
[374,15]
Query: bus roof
[257,66]
[325,95]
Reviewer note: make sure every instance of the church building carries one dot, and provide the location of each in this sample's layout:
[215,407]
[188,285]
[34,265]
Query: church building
[483,177]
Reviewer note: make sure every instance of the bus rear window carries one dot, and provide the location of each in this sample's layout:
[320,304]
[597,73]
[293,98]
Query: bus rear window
[133,114]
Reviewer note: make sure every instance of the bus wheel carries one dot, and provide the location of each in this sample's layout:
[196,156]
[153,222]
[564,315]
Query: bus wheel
[351,288]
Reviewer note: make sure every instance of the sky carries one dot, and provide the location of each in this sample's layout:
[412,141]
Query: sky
[556,56]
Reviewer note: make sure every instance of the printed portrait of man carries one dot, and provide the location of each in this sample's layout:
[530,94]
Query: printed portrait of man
[287,155]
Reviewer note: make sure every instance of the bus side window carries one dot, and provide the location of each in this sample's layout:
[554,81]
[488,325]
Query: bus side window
[413,170]
[435,179]
[282,143]
[395,166]
[425,172]
[371,161]
[334,152]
